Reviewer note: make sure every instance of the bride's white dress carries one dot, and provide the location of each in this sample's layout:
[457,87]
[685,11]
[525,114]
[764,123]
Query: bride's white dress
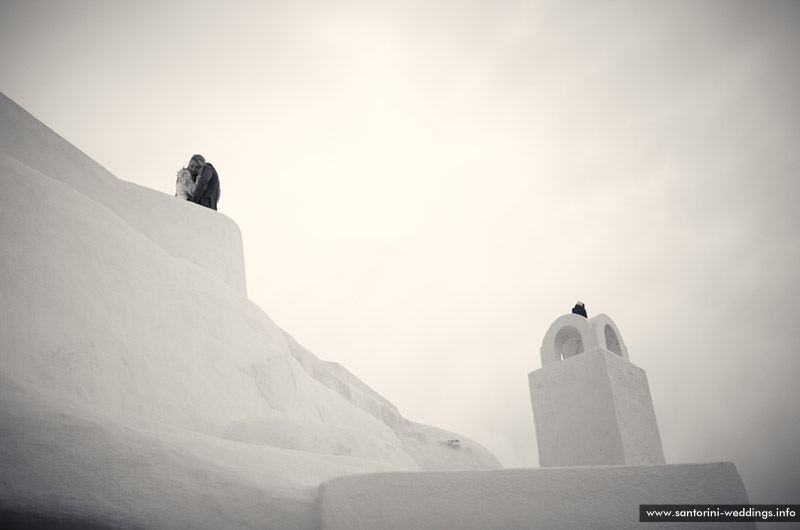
[184,186]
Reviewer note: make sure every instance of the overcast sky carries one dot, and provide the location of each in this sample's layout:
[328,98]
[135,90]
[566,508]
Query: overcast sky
[423,187]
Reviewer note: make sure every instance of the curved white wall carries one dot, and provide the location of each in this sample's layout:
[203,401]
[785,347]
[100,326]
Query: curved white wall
[199,235]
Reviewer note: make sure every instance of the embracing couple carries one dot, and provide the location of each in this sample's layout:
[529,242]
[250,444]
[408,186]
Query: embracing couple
[198,182]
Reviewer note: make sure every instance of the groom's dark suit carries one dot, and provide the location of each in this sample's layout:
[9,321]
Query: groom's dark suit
[207,191]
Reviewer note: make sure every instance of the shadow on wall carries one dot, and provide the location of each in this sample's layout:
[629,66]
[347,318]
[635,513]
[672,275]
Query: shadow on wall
[10,520]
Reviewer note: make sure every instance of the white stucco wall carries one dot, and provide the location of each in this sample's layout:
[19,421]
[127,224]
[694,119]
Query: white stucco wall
[94,307]
[594,409]
[575,498]
[187,231]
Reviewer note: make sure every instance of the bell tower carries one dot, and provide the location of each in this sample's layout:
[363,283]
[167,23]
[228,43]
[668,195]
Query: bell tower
[591,405]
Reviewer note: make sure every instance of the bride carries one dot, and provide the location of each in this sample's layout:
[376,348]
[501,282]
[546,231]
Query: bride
[184,186]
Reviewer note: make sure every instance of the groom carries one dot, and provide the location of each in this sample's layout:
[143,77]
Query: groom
[206,190]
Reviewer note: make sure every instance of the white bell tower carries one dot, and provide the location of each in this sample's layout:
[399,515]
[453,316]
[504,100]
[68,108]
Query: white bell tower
[591,405]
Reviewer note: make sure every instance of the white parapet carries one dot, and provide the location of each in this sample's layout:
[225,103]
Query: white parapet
[591,405]
[573,498]
[200,236]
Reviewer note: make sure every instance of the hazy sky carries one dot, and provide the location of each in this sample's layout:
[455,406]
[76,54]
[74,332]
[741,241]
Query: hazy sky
[424,186]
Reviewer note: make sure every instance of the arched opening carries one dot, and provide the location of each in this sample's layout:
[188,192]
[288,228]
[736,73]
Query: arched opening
[612,340]
[568,342]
